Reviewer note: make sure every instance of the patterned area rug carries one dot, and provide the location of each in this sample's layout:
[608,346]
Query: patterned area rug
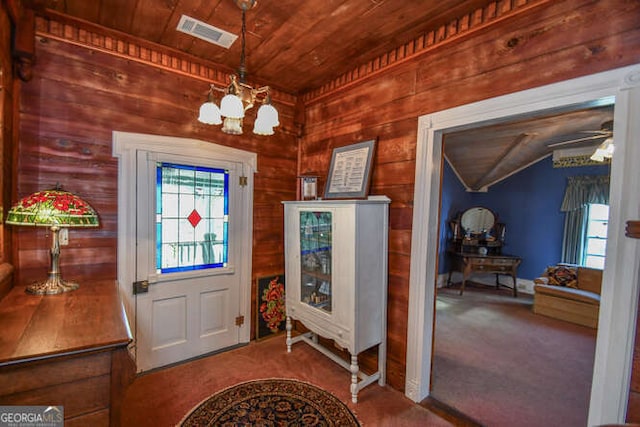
[271,402]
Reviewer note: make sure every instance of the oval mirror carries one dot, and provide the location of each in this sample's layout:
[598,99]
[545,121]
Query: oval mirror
[477,220]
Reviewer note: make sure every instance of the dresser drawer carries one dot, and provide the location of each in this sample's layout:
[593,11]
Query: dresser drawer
[26,377]
[504,261]
[489,263]
[79,397]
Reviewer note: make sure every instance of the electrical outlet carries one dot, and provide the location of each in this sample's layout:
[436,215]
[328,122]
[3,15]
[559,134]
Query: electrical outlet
[63,236]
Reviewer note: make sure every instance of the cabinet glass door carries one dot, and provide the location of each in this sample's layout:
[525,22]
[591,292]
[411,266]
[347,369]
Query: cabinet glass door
[315,259]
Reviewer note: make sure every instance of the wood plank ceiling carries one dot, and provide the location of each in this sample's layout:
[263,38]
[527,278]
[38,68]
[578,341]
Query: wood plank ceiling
[297,46]
[486,155]
[292,45]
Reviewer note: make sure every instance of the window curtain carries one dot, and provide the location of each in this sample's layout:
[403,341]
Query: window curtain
[580,192]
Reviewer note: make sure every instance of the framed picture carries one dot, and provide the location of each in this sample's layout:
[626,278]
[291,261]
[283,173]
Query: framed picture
[271,316]
[350,171]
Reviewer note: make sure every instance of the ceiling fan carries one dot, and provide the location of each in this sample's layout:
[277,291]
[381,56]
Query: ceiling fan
[605,131]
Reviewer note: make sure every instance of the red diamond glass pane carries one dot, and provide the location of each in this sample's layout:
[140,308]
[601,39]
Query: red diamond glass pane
[194,218]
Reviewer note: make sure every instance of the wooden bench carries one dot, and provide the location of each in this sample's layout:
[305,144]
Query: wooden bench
[579,305]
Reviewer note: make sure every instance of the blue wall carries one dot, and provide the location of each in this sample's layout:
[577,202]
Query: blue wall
[528,202]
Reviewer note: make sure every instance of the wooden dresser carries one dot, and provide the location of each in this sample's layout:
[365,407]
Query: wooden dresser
[469,263]
[68,350]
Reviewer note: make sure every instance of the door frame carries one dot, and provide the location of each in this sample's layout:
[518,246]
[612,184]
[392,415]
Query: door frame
[125,148]
[619,302]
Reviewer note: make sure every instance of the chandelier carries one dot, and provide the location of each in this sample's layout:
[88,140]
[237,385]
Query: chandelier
[240,97]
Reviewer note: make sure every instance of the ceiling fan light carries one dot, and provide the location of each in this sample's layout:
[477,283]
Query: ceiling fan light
[608,147]
[210,114]
[231,106]
[604,150]
[268,114]
[232,126]
[599,154]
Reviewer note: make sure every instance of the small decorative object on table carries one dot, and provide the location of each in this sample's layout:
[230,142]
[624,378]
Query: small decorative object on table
[308,187]
[271,306]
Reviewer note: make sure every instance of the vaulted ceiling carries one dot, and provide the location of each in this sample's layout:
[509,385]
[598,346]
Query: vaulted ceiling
[488,154]
[299,45]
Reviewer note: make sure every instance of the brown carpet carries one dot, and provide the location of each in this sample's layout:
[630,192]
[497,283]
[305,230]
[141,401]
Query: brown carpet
[163,397]
[271,402]
[500,364]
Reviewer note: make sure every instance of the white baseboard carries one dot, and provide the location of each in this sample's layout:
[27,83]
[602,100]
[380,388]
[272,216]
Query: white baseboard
[524,285]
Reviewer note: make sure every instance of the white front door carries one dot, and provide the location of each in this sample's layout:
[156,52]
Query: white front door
[195,294]
[187,220]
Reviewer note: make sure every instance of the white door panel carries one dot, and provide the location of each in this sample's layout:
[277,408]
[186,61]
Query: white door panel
[185,313]
[169,322]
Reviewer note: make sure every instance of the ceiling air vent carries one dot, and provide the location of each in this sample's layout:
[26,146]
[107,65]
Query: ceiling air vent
[206,32]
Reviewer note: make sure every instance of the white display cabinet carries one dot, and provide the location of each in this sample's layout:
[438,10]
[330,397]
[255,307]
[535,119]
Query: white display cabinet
[336,270]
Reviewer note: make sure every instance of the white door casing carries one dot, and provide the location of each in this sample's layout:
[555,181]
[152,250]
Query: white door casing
[619,303]
[188,313]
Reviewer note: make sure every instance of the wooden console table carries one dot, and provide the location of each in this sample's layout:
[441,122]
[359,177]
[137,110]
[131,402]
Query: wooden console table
[469,263]
[66,350]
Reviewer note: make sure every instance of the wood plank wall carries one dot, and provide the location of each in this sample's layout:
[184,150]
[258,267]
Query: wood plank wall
[548,43]
[78,96]
[68,111]
[8,88]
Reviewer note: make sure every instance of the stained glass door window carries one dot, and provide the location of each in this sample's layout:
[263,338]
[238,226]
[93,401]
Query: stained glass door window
[192,217]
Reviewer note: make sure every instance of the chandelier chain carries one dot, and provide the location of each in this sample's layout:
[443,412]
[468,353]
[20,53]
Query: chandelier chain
[242,71]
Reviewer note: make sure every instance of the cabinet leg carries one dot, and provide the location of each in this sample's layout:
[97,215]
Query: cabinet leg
[515,286]
[382,358]
[289,326]
[354,378]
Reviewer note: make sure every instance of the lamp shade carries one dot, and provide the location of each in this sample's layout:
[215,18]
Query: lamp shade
[232,126]
[231,106]
[268,115]
[49,208]
[260,127]
[210,114]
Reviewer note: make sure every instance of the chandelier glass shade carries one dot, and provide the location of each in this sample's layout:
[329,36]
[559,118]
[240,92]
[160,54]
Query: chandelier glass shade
[240,97]
[55,209]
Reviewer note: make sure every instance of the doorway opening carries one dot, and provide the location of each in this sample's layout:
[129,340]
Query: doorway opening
[494,359]
[614,347]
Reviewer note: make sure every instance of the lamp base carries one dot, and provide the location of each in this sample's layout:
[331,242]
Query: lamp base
[52,286]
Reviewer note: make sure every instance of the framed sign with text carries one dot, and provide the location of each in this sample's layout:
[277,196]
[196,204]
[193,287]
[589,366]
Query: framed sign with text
[350,171]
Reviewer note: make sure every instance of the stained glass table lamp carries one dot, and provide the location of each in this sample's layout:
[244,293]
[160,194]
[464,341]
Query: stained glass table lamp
[55,209]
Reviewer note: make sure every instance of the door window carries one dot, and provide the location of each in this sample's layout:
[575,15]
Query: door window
[192,217]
